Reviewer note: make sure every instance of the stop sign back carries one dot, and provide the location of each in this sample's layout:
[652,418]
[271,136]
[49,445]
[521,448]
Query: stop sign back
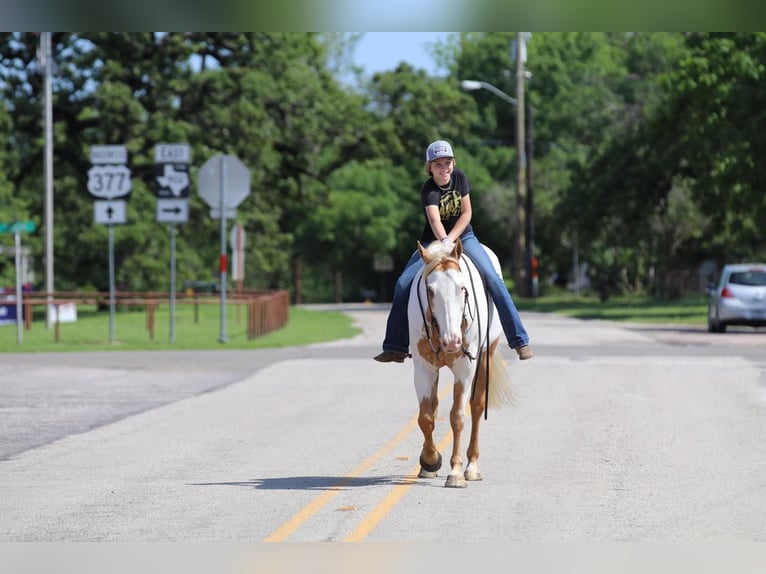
[224,173]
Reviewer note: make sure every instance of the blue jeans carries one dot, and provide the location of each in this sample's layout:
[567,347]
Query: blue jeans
[397,328]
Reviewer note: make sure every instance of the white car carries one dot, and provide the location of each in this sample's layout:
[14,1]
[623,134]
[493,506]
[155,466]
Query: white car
[739,298]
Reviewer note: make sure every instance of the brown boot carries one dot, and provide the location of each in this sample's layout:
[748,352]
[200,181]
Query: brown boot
[391,356]
[525,352]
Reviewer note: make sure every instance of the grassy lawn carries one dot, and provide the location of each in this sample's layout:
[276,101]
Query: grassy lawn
[91,331]
[632,309]
[202,330]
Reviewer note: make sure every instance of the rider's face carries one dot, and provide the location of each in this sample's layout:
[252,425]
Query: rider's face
[441,169]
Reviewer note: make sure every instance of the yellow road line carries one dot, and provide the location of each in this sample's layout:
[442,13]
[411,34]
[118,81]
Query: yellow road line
[384,506]
[292,524]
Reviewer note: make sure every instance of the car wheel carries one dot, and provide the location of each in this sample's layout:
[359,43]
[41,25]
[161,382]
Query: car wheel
[714,325]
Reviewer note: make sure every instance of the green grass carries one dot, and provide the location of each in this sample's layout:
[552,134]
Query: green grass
[91,331]
[632,309]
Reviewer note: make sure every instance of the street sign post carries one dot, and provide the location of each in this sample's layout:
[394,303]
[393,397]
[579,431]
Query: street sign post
[17,228]
[224,181]
[173,183]
[108,182]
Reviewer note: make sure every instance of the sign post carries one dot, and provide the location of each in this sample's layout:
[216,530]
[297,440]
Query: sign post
[224,181]
[17,228]
[172,172]
[109,182]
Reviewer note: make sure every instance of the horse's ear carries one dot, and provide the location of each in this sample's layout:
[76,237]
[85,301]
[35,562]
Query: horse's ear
[424,252]
[457,250]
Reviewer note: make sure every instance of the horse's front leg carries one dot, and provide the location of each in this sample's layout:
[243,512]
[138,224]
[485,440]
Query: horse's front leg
[426,386]
[457,422]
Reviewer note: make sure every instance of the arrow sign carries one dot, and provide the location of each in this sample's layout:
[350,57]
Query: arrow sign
[109,212]
[172,210]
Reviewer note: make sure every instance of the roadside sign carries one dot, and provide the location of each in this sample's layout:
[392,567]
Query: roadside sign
[18,227]
[172,210]
[222,170]
[230,213]
[108,154]
[172,153]
[109,212]
[237,242]
[107,181]
[172,179]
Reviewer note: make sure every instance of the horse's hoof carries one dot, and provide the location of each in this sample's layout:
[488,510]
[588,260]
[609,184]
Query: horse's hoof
[473,474]
[455,481]
[431,467]
[426,474]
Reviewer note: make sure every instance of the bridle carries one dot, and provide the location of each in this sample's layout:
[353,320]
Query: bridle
[468,312]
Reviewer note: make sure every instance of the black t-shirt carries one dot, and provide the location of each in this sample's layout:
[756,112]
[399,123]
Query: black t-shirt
[447,198]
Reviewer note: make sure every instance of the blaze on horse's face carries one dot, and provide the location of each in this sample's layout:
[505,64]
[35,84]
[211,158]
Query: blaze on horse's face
[446,295]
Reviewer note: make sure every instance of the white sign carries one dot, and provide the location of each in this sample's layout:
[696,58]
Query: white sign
[230,213]
[172,153]
[107,181]
[62,313]
[237,241]
[219,171]
[237,237]
[109,212]
[172,210]
[114,154]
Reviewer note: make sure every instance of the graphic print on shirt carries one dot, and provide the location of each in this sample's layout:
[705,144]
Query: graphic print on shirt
[449,204]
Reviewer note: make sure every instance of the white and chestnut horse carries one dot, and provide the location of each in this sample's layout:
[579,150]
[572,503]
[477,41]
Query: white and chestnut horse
[454,324]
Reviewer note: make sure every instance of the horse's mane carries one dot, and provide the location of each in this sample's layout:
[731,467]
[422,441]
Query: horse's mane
[440,255]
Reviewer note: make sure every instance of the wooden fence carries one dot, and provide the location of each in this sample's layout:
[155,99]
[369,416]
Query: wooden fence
[266,310]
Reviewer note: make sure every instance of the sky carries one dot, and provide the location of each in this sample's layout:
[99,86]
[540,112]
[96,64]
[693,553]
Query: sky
[383,51]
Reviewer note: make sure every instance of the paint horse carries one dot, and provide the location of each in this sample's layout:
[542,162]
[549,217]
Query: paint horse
[454,324]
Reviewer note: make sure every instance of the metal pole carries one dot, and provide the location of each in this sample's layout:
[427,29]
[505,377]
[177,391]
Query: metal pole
[531,273]
[19,309]
[222,337]
[110,229]
[172,282]
[519,265]
[45,48]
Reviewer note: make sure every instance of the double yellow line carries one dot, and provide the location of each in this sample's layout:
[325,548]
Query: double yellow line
[377,514]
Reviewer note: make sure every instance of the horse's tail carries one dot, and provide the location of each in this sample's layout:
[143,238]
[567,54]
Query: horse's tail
[501,392]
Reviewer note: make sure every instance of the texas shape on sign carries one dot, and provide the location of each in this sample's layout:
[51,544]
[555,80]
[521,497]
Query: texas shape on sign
[175,179]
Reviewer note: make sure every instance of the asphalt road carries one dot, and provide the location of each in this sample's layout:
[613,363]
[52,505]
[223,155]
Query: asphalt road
[619,434]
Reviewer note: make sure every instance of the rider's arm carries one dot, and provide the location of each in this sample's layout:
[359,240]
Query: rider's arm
[464,219]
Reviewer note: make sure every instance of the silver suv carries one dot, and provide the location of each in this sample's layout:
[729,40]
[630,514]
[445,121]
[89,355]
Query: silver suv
[739,298]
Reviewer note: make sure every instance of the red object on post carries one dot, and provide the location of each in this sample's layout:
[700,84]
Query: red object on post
[224,263]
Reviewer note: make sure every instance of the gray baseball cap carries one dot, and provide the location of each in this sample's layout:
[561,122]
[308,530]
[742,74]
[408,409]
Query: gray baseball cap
[438,149]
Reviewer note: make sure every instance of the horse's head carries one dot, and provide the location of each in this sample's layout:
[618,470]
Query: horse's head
[446,293]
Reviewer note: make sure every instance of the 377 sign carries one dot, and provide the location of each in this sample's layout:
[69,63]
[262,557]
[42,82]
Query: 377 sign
[109,181]
[109,177]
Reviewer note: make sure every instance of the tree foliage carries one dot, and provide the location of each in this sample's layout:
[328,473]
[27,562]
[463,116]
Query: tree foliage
[646,150]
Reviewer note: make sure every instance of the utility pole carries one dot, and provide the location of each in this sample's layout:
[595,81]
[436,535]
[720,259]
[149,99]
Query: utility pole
[46,61]
[520,247]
